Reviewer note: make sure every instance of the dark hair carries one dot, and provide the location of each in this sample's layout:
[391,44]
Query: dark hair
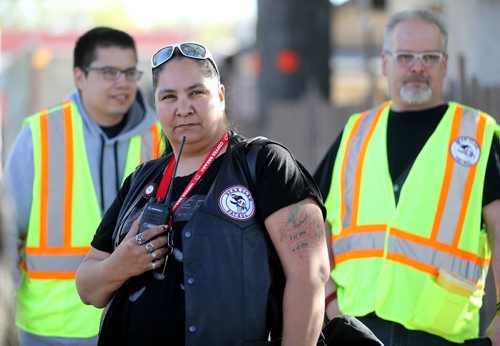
[206,67]
[86,45]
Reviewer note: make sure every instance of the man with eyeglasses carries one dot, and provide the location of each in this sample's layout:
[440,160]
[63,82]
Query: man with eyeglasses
[63,172]
[412,191]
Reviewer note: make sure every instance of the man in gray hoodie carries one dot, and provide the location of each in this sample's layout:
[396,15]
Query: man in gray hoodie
[63,172]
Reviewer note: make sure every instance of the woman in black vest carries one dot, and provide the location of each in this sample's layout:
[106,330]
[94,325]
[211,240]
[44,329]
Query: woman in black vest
[219,242]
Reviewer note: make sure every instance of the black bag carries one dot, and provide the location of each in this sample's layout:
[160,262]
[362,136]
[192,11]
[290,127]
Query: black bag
[343,330]
[347,330]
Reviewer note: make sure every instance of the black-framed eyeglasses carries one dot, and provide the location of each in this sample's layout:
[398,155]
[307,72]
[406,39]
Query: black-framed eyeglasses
[408,59]
[112,73]
[188,49]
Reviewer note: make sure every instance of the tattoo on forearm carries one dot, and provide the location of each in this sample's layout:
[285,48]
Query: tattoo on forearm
[301,233]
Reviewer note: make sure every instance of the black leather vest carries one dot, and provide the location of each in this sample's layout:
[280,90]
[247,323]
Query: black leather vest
[233,279]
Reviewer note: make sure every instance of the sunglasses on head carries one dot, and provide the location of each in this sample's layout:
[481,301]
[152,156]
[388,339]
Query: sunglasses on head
[188,49]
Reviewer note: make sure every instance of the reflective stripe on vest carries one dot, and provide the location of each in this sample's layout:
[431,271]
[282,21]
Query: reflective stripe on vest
[361,241]
[59,229]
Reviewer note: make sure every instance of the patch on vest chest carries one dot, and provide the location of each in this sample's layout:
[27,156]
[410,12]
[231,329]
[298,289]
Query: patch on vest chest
[237,202]
[465,151]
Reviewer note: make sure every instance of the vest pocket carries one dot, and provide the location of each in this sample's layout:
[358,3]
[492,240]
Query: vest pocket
[441,312]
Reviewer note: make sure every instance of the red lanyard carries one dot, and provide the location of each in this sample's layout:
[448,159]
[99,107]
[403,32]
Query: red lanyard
[169,170]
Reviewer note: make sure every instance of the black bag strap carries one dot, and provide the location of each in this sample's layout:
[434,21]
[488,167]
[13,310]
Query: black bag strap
[247,157]
[252,149]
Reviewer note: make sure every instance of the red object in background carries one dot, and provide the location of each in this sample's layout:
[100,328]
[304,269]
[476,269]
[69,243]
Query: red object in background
[287,61]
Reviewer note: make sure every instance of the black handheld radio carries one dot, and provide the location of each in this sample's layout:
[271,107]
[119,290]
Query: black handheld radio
[157,212]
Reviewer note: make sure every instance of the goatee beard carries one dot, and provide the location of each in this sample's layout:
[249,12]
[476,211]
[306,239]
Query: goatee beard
[416,96]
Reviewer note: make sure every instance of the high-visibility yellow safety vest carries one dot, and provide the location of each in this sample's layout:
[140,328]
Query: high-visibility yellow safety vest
[63,219]
[388,257]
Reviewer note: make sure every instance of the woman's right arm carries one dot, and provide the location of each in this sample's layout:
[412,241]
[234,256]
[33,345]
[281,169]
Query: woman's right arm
[93,283]
[101,273]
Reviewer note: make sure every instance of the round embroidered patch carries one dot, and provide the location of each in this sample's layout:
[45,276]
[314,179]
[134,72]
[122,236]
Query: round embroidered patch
[237,202]
[465,151]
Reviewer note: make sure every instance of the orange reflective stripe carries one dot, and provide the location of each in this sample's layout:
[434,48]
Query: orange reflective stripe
[52,275]
[44,177]
[423,267]
[69,166]
[155,135]
[359,229]
[52,250]
[468,185]
[356,254]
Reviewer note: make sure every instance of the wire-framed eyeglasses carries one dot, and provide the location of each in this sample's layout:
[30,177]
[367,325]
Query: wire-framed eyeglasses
[408,59]
[188,49]
[113,74]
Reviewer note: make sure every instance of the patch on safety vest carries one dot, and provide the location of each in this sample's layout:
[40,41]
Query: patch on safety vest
[149,190]
[465,151]
[237,202]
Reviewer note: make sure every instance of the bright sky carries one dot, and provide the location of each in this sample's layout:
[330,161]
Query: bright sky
[225,21]
[145,13]
[191,11]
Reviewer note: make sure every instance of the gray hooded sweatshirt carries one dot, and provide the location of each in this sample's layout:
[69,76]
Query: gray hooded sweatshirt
[107,157]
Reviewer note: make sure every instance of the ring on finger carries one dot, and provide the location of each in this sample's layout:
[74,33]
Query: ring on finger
[154,255]
[153,265]
[150,247]
[140,239]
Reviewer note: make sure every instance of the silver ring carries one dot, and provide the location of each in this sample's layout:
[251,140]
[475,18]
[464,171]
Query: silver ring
[153,265]
[140,239]
[150,247]
[154,255]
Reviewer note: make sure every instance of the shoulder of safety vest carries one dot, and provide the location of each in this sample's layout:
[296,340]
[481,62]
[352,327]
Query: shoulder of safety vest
[49,111]
[375,109]
[490,119]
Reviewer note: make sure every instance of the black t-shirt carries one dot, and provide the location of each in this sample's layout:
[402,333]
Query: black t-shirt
[149,309]
[407,133]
